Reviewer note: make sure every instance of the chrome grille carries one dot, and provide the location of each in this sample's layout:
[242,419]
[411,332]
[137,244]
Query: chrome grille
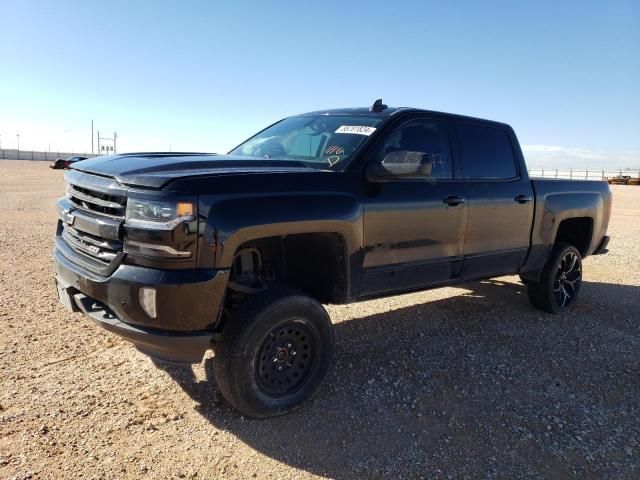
[91,217]
[95,247]
[98,202]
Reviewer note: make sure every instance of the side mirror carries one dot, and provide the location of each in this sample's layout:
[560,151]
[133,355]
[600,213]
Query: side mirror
[399,165]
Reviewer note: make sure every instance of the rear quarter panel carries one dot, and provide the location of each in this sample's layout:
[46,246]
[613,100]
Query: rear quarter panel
[558,200]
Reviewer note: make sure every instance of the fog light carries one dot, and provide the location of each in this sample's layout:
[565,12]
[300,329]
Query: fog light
[148,300]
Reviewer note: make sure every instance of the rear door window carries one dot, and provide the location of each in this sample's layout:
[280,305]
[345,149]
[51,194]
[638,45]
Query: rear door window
[486,152]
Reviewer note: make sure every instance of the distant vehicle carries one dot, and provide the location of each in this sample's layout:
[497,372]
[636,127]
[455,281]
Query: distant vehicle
[623,180]
[177,252]
[62,163]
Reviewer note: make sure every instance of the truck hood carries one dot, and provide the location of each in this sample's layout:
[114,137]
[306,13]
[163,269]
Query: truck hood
[154,170]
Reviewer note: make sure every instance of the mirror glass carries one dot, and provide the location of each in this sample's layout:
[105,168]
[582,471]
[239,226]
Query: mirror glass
[403,164]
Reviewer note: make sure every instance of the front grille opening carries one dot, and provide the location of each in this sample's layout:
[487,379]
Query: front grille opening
[89,245]
[102,196]
[98,202]
[111,212]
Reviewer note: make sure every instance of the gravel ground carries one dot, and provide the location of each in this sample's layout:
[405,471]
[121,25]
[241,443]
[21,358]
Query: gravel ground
[466,382]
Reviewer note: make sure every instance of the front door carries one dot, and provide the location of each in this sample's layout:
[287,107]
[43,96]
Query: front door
[414,229]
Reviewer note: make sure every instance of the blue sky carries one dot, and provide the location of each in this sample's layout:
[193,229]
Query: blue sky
[205,75]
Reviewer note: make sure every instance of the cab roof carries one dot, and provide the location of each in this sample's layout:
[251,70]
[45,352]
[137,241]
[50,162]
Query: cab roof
[358,111]
[390,111]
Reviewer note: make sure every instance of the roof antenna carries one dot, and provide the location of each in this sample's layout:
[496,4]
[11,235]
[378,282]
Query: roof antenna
[378,106]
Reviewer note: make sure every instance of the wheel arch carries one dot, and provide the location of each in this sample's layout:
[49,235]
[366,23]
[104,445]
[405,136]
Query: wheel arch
[557,216]
[576,231]
[316,263]
[318,220]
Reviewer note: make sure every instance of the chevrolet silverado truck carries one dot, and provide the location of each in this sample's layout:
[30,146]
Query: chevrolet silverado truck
[181,252]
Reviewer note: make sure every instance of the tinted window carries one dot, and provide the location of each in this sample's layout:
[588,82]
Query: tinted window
[424,136]
[486,152]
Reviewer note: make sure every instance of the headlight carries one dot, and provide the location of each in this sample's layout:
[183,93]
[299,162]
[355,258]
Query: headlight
[157,215]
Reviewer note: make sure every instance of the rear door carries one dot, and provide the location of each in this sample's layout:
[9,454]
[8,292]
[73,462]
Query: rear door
[499,196]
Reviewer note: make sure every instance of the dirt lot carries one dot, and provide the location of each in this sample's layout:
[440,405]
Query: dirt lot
[466,382]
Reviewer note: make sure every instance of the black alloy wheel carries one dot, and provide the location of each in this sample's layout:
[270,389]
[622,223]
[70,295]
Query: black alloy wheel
[568,280]
[560,280]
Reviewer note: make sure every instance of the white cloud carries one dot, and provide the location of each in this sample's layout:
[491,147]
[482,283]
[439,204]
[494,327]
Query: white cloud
[555,156]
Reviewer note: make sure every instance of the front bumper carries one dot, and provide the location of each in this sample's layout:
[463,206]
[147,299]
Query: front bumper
[188,303]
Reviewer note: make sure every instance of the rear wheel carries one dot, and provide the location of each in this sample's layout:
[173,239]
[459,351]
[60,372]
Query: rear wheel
[560,282]
[274,353]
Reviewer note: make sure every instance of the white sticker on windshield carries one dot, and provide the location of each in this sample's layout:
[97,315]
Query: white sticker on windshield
[356,129]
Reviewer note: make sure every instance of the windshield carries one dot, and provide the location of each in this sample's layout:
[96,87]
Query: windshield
[320,141]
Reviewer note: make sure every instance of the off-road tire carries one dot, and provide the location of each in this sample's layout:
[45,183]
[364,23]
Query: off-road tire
[547,294]
[281,334]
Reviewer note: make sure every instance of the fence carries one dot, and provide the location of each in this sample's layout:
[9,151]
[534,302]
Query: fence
[581,174]
[13,154]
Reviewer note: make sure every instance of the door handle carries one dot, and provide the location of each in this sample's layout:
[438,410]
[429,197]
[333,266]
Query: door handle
[523,199]
[453,200]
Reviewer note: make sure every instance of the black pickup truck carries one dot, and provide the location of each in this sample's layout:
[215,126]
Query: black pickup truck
[180,252]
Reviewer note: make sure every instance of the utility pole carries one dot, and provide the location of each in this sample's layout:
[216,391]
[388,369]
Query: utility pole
[92,136]
[107,148]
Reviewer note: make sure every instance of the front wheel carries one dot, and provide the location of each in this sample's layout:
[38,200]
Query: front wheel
[560,282]
[274,353]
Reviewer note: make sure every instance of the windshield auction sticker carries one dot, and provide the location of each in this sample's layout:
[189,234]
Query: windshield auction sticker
[356,129]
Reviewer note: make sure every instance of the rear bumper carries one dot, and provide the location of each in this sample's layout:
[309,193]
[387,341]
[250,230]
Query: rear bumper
[602,248]
[188,303]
